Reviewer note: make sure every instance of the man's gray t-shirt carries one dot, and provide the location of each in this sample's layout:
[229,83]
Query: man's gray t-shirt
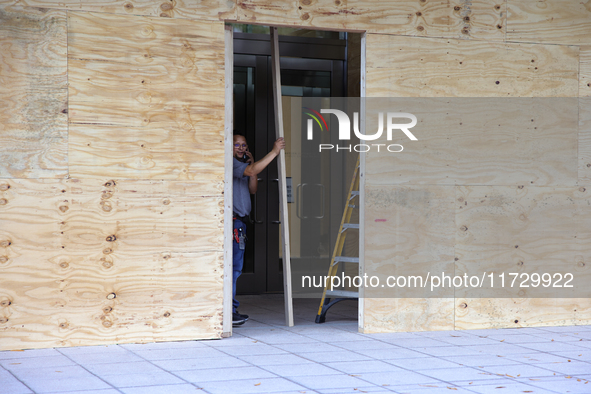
[241,197]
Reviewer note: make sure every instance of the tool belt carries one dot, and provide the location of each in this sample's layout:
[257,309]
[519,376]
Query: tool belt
[237,235]
[244,219]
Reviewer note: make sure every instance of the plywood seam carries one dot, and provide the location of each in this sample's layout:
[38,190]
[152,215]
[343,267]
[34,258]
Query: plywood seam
[474,40]
[444,38]
[542,43]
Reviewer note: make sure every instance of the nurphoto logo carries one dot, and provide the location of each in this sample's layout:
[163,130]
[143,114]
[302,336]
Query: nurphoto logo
[345,129]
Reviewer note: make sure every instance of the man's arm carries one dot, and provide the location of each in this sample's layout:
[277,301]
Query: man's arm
[252,170]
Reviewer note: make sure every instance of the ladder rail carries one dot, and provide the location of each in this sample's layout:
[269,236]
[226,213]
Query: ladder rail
[339,244]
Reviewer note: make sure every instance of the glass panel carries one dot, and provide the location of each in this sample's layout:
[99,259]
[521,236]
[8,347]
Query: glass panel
[301,83]
[321,180]
[289,31]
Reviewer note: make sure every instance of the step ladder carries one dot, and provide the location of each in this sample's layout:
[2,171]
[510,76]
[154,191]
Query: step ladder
[331,297]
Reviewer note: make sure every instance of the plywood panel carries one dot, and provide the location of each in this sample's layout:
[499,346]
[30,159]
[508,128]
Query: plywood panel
[556,22]
[524,229]
[485,141]
[203,10]
[409,231]
[585,141]
[585,72]
[154,153]
[410,67]
[408,314]
[480,313]
[88,262]
[153,86]
[483,19]
[142,298]
[33,95]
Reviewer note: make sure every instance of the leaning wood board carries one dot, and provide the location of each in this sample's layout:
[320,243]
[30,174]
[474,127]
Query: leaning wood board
[103,262]
[33,94]
[146,97]
[281,171]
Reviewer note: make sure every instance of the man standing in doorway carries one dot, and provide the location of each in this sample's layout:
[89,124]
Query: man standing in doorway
[245,183]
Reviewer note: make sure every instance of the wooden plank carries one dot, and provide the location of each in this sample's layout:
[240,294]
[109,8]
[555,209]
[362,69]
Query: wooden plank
[482,19]
[585,141]
[480,141]
[278,109]
[156,245]
[33,95]
[426,67]
[554,22]
[154,86]
[211,10]
[361,305]
[585,71]
[228,180]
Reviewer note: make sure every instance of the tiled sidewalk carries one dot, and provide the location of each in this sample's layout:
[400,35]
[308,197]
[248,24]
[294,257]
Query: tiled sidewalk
[264,356]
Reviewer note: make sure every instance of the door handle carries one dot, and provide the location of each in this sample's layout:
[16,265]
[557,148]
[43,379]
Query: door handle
[298,200]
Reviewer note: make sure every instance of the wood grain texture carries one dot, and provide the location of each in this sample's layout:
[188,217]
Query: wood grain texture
[481,313]
[409,230]
[109,261]
[146,97]
[143,298]
[524,229]
[585,141]
[482,19]
[407,314]
[33,94]
[555,22]
[484,141]
[585,71]
[203,10]
[427,67]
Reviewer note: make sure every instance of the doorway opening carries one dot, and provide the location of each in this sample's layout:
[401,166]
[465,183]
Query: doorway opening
[314,63]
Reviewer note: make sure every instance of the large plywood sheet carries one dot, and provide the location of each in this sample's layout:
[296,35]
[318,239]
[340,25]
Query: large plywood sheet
[109,261]
[187,9]
[33,93]
[483,141]
[426,67]
[482,19]
[409,231]
[146,97]
[523,230]
[556,22]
